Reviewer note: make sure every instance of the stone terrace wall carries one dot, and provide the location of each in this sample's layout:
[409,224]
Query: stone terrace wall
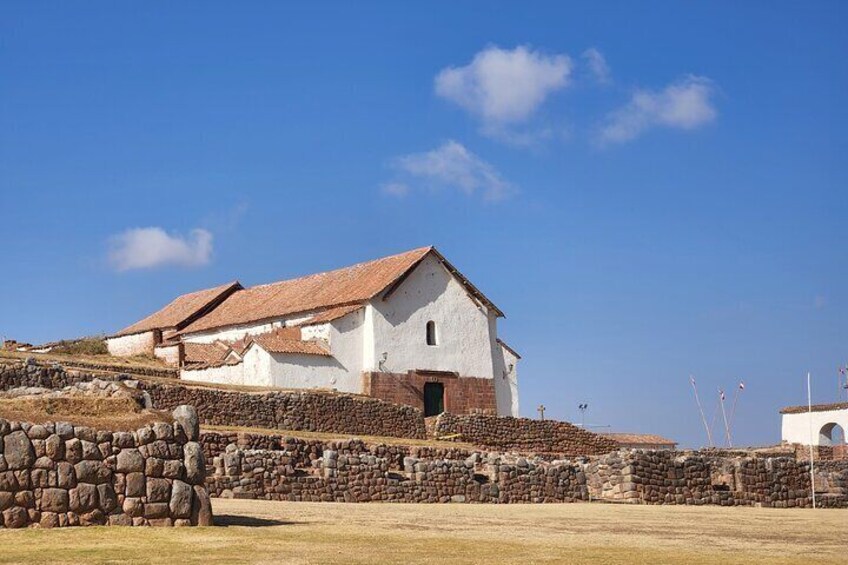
[57,474]
[665,477]
[290,410]
[353,473]
[504,433]
[290,469]
[293,410]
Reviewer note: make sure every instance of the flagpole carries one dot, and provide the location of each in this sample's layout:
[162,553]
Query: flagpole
[812,471]
[701,410]
[724,417]
[735,399]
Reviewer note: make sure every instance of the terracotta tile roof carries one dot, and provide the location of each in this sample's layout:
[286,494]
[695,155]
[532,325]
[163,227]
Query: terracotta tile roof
[815,408]
[343,287]
[206,353]
[278,342]
[182,310]
[639,439]
[332,314]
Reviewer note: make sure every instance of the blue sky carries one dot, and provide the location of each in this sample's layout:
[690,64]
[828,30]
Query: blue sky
[648,191]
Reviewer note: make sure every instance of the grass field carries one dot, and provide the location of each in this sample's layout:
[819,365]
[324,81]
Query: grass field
[275,532]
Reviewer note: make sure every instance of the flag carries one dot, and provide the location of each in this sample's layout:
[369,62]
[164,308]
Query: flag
[721,394]
[741,385]
[692,379]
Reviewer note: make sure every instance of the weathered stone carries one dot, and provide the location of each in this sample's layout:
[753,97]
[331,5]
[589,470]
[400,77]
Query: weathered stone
[133,507]
[195,467]
[91,451]
[83,497]
[18,450]
[94,472]
[158,490]
[172,469]
[37,431]
[107,496]
[85,433]
[15,517]
[94,518]
[54,500]
[25,499]
[123,439]
[73,450]
[7,499]
[181,495]
[130,461]
[8,481]
[64,430]
[201,508]
[54,447]
[49,520]
[135,484]
[156,510]
[120,520]
[163,431]
[66,477]
[186,416]
[154,467]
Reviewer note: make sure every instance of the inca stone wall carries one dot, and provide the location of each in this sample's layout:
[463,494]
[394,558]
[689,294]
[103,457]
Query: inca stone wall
[290,469]
[504,433]
[56,474]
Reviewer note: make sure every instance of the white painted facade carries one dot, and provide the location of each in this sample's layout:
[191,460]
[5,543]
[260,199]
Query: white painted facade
[387,335]
[170,354]
[133,344]
[796,428]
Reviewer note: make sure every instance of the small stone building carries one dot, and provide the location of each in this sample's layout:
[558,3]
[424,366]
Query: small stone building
[826,424]
[408,328]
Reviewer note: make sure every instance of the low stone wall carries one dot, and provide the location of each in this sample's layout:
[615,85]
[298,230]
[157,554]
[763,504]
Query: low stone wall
[505,433]
[47,360]
[665,477]
[57,474]
[293,410]
[291,469]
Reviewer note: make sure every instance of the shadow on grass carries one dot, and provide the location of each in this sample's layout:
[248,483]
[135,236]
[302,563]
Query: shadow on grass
[227,520]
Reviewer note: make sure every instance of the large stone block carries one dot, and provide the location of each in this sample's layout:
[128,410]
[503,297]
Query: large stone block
[136,484]
[130,461]
[158,490]
[107,496]
[83,498]
[195,466]
[55,500]
[181,497]
[18,450]
[94,472]
[201,508]
[186,416]
[15,517]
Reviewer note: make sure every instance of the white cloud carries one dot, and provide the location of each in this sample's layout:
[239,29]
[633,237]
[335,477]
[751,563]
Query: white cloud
[597,64]
[145,248]
[504,87]
[396,189]
[451,165]
[685,104]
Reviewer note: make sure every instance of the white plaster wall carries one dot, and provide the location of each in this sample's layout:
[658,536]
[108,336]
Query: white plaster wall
[506,382]
[796,427]
[342,371]
[252,371]
[318,331]
[129,345]
[465,338]
[233,333]
[170,354]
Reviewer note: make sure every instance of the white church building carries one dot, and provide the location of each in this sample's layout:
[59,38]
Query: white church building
[408,328]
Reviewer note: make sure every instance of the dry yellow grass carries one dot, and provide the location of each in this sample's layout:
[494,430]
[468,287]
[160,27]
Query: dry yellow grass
[115,414]
[275,532]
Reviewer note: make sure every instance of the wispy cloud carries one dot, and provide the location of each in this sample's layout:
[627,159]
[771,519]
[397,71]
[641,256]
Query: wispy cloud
[450,166]
[502,87]
[597,64]
[686,104]
[146,248]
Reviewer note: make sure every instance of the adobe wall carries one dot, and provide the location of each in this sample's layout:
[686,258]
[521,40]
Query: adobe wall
[521,434]
[56,474]
[462,395]
[134,344]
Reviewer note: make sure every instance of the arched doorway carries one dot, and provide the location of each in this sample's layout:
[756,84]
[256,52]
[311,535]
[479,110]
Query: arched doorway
[831,434]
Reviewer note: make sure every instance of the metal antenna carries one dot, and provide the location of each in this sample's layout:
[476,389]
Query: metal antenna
[583,407]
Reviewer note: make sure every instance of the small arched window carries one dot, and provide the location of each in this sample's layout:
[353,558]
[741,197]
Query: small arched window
[431,333]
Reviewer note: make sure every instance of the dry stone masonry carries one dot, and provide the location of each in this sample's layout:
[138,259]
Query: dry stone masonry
[521,434]
[57,474]
[291,469]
